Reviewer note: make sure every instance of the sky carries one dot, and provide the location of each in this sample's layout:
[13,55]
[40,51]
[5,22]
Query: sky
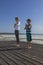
[9,9]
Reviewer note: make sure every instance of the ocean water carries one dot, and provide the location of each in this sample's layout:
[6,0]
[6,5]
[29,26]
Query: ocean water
[33,36]
[3,36]
[38,39]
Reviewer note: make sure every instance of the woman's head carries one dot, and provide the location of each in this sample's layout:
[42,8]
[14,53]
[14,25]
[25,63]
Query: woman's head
[28,21]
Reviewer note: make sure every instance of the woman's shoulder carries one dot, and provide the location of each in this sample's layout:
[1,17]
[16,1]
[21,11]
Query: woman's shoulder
[31,25]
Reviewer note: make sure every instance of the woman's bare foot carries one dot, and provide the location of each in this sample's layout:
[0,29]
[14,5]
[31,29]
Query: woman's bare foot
[18,45]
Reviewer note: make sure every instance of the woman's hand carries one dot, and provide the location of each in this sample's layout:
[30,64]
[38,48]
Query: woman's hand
[25,27]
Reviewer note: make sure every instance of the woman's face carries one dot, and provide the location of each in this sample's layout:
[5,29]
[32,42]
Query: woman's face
[28,22]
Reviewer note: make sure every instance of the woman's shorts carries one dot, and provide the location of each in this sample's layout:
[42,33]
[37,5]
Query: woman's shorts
[28,35]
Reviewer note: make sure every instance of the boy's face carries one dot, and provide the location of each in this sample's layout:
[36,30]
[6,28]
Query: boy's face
[16,20]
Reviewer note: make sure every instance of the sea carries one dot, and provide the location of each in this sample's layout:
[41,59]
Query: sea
[36,38]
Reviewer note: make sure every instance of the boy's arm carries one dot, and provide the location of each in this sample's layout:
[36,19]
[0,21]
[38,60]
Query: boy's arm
[18,24]
[14,25]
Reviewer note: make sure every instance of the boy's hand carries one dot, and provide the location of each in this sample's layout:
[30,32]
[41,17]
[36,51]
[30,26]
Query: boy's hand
[24,28]
[15,24]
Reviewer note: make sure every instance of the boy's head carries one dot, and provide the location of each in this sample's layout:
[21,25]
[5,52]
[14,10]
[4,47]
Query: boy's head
[28,21]
[16,19]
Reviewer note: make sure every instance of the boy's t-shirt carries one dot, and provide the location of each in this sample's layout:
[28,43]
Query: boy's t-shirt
[17,26]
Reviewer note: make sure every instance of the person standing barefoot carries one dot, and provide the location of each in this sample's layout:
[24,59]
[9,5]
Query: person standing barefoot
[17,28]
[28,27]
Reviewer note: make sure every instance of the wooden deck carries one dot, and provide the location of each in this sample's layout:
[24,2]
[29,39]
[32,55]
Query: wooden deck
[11,55]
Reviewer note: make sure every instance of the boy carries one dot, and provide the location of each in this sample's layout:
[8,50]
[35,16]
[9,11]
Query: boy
[17,28]
[28,27]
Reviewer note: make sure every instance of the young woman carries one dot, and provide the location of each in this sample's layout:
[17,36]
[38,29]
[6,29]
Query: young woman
[28,27]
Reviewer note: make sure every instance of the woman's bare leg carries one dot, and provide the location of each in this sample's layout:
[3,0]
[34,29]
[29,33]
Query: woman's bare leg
[29,44]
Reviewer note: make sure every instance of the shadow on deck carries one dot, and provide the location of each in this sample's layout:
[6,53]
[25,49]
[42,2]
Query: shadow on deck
[11,55]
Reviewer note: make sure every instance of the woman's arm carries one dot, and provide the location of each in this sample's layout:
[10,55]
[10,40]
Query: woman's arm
[26,26]
[30,26]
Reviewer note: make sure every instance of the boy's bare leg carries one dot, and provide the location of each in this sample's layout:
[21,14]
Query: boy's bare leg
[17,39]
[18,44]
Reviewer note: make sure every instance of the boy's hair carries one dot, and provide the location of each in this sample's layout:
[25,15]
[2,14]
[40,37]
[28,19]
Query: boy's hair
[29,20]
[16,18]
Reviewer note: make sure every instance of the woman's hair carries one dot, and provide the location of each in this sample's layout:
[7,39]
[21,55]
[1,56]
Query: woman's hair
[29,20]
